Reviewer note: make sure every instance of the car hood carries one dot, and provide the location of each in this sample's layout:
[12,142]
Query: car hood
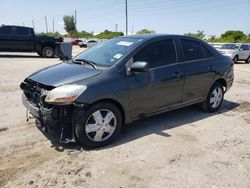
[63,73]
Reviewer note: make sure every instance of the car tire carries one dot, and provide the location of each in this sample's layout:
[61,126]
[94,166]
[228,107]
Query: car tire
[48,52]
[214,98]
[248,60]
[99,125]
[235,59]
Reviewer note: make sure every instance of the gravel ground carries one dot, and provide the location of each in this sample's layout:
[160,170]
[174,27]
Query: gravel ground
[182,148]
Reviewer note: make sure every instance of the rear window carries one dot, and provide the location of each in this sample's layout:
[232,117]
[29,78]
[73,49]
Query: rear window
[206,52]
[192,50]
[5,30]
[22,31]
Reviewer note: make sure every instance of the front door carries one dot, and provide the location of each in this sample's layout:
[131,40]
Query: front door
[161,86]
[5,36]
[22,40]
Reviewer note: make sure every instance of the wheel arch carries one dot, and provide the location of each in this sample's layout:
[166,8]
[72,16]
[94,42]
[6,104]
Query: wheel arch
[223,82]
[116,103]
[48,44]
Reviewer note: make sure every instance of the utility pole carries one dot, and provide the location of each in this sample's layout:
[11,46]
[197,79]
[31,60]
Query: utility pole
[46,24]
[132,30]
[116,27]
[75,19]
[126,11]
[53,26]
[23,23]
[33,22]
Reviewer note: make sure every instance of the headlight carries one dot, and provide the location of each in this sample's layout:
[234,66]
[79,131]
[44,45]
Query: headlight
[65,94]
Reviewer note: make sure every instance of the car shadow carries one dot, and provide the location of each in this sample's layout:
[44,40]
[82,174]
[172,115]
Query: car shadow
[157,124]
[19,56]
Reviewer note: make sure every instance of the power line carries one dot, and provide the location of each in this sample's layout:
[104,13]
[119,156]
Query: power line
[194,10]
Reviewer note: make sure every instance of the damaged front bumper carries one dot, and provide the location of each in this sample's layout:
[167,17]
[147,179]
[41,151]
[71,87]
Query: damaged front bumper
[50,117]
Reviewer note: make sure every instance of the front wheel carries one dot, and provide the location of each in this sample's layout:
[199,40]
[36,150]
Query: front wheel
[99,125]
[214,98]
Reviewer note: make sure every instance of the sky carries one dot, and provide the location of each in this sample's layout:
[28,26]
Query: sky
[214,17]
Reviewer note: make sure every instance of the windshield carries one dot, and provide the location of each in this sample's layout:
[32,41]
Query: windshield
[230,46]
[109,52]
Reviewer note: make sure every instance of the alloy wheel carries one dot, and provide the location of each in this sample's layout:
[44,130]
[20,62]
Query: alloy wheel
[49,52]
[216,97]
[100,125]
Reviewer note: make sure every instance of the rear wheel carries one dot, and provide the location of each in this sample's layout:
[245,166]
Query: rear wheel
[99,125]
[235,59]
[214,98]
[48,52]
[248,60]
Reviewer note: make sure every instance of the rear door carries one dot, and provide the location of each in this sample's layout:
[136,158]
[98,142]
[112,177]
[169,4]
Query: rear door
[23,39]
[161,86]
[198,69]
[5,37]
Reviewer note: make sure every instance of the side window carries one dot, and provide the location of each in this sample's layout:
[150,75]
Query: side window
[192,50]
[22,31]
[157,54]
[5,30]
[244,47]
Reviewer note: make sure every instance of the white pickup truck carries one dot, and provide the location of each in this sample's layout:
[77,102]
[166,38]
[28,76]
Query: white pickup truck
[237,52]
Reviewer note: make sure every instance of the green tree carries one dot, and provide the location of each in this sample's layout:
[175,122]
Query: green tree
[50,34]
[69,24]
[233,36]
[199,35]
[145,31]
[213,38]
[85,34]
[109,34]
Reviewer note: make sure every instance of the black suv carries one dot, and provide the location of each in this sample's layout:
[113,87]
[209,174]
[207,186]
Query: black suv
[125,79]
[23,39]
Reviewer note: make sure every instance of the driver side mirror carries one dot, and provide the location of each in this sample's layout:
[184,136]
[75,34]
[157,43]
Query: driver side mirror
[139,66]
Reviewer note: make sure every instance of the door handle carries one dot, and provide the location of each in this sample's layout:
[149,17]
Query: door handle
[209,67]
[178,74]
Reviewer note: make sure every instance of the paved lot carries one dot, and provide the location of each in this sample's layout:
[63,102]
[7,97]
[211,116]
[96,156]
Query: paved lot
[182,148]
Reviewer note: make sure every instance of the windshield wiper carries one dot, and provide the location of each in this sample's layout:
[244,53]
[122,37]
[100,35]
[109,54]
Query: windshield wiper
[93,64]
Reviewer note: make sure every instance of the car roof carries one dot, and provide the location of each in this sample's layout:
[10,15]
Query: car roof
[159,35]
[15,26]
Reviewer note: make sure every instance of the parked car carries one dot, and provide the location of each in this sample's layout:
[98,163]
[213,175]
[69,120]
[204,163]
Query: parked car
[123,80]
[76,42]
[237,52]
[23,39]
[216,45]
[88,44]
